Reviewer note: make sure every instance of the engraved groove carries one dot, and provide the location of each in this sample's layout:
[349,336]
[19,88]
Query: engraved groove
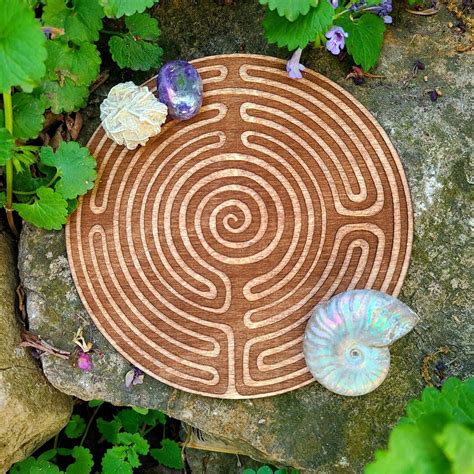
[201,255]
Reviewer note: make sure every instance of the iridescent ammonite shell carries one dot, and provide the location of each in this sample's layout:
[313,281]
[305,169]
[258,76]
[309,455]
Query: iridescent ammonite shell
[347,338]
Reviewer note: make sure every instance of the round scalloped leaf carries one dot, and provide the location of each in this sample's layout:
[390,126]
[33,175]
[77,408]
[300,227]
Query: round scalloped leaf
[75,168]
[291,9]
[49,211]
[22,47]
[118,8]
[67,97]
[137,55]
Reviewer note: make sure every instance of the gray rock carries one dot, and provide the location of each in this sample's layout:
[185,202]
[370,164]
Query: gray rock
[31,410]
[311,428]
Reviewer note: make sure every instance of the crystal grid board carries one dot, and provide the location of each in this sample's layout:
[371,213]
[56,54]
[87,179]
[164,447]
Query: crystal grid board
[201,255]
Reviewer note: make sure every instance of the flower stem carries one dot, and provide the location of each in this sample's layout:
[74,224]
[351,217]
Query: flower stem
[8,110]
[91,419]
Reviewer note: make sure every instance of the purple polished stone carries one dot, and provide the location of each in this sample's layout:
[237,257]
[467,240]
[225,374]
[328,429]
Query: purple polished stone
[180,88]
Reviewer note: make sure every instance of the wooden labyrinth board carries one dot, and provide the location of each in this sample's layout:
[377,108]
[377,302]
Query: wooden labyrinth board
[201,255]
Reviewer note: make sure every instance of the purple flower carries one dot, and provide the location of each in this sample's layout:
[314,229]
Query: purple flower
[293,66]
[84,361]
[336,40]
[334,3]
[134,377]
[387,19]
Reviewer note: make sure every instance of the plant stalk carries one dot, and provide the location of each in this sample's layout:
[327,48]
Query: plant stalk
[8,110]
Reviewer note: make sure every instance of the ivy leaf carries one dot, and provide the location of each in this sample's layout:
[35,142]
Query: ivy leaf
[457,442]
[81,22]
[7,144]
[365,39]
[410,449]
[138,55]
[49,211]
[118,8]
[143,25]
[76,426]
[265,470]
[291,9]
[27,114]
[109,429]
[22,47]
[154,416]
[75,167]
[34,466]
[141,410]
[130,419]
[95,403]
[298,33]
[456,400]
[83,461]
[169,454]
[114,461]
[67,97]
[139,443]
[80,63]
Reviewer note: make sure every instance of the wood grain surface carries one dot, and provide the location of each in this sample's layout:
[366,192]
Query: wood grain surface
[201,255]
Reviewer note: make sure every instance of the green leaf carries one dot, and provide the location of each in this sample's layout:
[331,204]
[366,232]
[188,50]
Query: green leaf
[3,199]
[114,461]
[75,167]
[49,211]
[67,97]
[138,55]
[249,471]
[410,450]
[154,416]
[95,403]
[365,39]
[109,429]
[457,442]
[139,443]
[143,25]
[298,33]
[27,116]
[48,455]
[7,144]
[81,22]
[22,47]
[34,466]
[455,400]
[75,428]
[131,420]
[118,8]
[142,411]
[265,470]
[169,454]
[83,461]
[80,63]
[25,182]
[291,9]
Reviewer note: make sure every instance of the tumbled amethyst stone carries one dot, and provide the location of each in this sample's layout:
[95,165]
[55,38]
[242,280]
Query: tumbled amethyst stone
[180,88]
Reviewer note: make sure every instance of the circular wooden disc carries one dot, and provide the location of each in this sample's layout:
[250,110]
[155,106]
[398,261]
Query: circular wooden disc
[201,255]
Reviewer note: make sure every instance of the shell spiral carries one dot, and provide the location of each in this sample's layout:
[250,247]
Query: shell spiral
[347,338]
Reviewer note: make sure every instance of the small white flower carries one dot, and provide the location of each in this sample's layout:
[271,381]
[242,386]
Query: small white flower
[131,115]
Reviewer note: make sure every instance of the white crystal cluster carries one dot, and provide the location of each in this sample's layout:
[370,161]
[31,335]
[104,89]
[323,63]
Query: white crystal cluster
[131,115]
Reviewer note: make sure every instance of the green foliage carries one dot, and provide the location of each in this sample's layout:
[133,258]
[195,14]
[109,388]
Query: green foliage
[56,73]
[75,428]
[22,47]
[118,8]
[436,436]
[169,454]
[136,49]
[365,39]
[298,33]
[290,9]
[83,461]
[48,209]
[75,168]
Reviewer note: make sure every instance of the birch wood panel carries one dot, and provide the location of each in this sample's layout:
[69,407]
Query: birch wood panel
[201,255]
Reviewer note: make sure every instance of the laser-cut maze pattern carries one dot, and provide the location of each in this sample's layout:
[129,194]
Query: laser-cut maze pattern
[201,255]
